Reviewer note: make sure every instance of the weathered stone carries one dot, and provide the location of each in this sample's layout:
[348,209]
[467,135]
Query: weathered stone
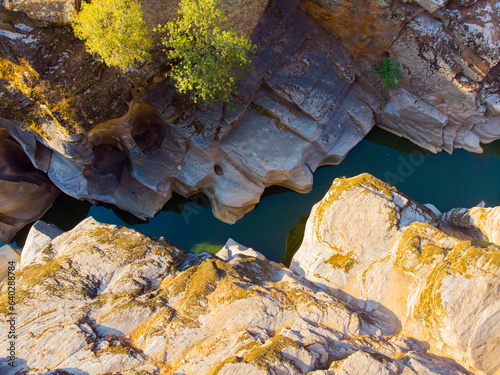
[366,28]
[122,302]
[233,249]
[378,250]
[25,192]
[39,236]
[441,71]
[8,254]
[299,100]
[484,223]
[407,115]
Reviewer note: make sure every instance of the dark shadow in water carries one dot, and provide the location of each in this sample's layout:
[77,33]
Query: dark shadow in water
[177,202]
[273,190]
[492,148]
[65,213]
[382,137]
[294,240]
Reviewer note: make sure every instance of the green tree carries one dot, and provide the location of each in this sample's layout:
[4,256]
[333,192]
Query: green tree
[389,72]
[115,30]
[209,58]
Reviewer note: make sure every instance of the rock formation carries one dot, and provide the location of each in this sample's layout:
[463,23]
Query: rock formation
[25,192]
[7,254]
[448,51]
[122,302]
[299,111]
[432,278]
[312,98]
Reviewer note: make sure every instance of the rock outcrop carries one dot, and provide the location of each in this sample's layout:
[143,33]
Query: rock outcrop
[312,98]
[26,193]
[124,303]
[8,254]
[300,110]
[432,278]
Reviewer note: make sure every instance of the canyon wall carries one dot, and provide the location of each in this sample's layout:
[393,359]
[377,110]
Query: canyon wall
[408,293]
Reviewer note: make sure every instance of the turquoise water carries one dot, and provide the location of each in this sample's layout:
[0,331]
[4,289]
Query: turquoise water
[447,181]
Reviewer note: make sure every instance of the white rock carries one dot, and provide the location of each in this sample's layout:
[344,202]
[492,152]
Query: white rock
[232,249]
[39,236]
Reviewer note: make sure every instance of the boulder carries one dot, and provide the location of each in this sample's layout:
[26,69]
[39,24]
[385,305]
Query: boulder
[433,280]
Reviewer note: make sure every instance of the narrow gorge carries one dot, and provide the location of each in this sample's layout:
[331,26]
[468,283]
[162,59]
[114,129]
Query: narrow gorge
[117,194]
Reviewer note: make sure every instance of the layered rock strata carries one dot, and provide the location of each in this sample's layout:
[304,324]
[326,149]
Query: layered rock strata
[312,98]
[105,299]
[448,53]
[433,278]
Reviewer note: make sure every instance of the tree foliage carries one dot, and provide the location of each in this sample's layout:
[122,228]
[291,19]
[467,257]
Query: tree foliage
[115,30]
[210,58]
[389,72]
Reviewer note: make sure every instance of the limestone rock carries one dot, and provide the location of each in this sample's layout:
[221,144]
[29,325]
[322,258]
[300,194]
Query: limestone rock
[407,115]
[375,248]
[232,249]
[446,68]
[122,302]
[482,222]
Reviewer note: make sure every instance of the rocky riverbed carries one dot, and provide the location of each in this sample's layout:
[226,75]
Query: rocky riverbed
[381,284]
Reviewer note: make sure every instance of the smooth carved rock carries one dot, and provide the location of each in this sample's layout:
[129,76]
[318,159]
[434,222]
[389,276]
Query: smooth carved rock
[436,281]
[301,110]
[122,302]
[25,192]
[407,115]
[8,254]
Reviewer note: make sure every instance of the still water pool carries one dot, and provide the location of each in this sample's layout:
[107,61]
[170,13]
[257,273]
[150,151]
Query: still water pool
[447,181]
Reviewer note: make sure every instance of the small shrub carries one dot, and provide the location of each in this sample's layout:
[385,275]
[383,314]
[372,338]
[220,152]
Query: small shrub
[115,30]
[389,72]
[209,60]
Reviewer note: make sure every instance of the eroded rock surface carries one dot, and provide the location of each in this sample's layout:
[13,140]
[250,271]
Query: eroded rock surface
[448,54]
[122,302]
[432,278]
[299,111]
[312,98]
[26,193]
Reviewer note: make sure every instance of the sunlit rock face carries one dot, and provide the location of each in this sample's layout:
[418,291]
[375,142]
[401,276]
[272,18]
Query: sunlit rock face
[25,192]
[432,278]
[106,299]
